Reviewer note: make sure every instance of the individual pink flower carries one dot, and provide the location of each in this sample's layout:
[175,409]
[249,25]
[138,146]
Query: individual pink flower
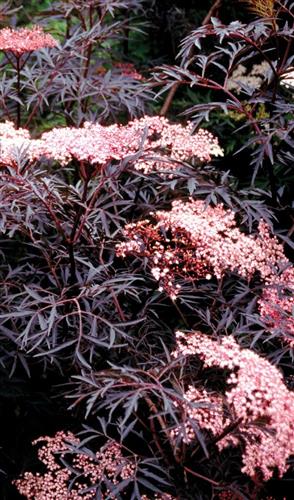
[22,40]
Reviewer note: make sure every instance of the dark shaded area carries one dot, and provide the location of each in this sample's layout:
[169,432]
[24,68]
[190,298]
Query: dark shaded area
[29,408]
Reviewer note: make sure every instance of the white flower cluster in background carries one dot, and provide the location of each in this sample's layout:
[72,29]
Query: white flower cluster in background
[252,78]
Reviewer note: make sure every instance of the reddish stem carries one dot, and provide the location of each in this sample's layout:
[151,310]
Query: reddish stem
[18,104]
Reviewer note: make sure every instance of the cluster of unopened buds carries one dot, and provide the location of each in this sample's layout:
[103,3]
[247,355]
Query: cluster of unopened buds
[257,401]
[192,241]
[98,144]
[108,466]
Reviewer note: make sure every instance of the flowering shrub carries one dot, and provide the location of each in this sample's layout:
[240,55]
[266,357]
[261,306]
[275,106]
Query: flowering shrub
[146,318]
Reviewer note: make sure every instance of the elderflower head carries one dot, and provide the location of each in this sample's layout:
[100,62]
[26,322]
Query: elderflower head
[22,40]
[98,144]
[205,242]
[257,397]
[173,141]
[252,78]
[12,140]
[108,465]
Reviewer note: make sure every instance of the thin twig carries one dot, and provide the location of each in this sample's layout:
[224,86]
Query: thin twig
[212,11]
[196,474]
[117,305]
[180,313]
[231,427]
[71,243]
[169,98]
[18,104]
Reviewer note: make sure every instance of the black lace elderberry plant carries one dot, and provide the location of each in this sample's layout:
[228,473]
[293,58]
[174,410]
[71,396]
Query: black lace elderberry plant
[75,309]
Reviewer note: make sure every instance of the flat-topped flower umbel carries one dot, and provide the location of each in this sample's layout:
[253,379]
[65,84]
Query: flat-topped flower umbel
[98,144]
[22,40]
[195,241]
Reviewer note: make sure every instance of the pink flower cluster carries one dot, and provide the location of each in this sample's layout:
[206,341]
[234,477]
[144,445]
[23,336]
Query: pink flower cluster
[192,241]
[257,398]
[92,143]
[173,141]
[22,40]
[54,483]
[195,241]
[97,144]
[276,305]
[128,69]
[11,141]
[203,408]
